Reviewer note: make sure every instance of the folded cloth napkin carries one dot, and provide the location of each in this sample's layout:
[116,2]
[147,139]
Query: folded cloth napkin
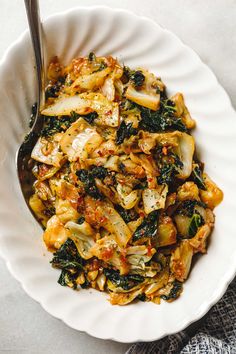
[215,334]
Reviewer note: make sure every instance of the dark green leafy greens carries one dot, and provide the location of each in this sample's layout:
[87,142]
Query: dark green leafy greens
[168,171]
[88,117]
[50,211]
[67,279]
[148,228]
[99,172]
[88,179]
[197,177]
[127,215]
[141,297]
[101,67]
[67,259]
[174,292]
[142,184]
[52,90]
[167,174]
[81,220]
[187,207]
[169,165]
[137,78]
[53,125]
[126,282]
[124,132]
[161,120]
[195,222]
[91,57]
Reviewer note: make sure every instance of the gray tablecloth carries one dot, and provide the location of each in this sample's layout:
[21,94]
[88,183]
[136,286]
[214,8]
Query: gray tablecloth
[216,334]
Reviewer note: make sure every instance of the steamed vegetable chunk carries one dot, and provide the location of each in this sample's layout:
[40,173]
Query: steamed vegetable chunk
[124,201]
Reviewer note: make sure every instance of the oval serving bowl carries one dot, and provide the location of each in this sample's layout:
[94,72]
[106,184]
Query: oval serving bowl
[136,41]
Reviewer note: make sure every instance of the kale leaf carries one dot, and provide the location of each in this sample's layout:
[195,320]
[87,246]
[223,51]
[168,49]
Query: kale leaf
[86,284]
[148,228]
[197,178]
[91,57]
[52,90]
[50,211]
[169,166]
[124,132]
[102,66]
[81,220]
[174,292]
[137,78]
[67,259]
[55,124]
[127,215]
[126,282]
[161,120]
[88,117]
[195,222]
[67,279]
[88,179]
[141,297]
[99,172]
[167,174]
[187,207]
[141,184]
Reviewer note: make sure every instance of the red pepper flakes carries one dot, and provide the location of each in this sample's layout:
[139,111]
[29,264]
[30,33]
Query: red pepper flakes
[149,250]
[107,254]
[164,150]
[103,219]
[123,259]
[43,169]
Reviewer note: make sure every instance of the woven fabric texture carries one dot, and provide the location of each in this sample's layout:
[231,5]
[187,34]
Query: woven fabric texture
[214,334]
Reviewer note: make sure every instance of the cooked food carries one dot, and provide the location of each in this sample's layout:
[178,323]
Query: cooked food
[123,198]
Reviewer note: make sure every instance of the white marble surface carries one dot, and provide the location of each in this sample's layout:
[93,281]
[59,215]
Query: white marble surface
[208,26]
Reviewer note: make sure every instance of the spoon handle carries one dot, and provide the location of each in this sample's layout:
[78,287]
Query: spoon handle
[35,25]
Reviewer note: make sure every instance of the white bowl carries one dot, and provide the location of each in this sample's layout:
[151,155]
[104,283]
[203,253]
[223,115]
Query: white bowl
[136,41]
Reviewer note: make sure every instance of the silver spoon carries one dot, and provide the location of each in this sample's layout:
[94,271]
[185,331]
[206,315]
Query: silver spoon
[23,158]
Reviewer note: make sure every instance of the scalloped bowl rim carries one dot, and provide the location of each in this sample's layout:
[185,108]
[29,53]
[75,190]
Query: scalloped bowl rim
[228,276]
